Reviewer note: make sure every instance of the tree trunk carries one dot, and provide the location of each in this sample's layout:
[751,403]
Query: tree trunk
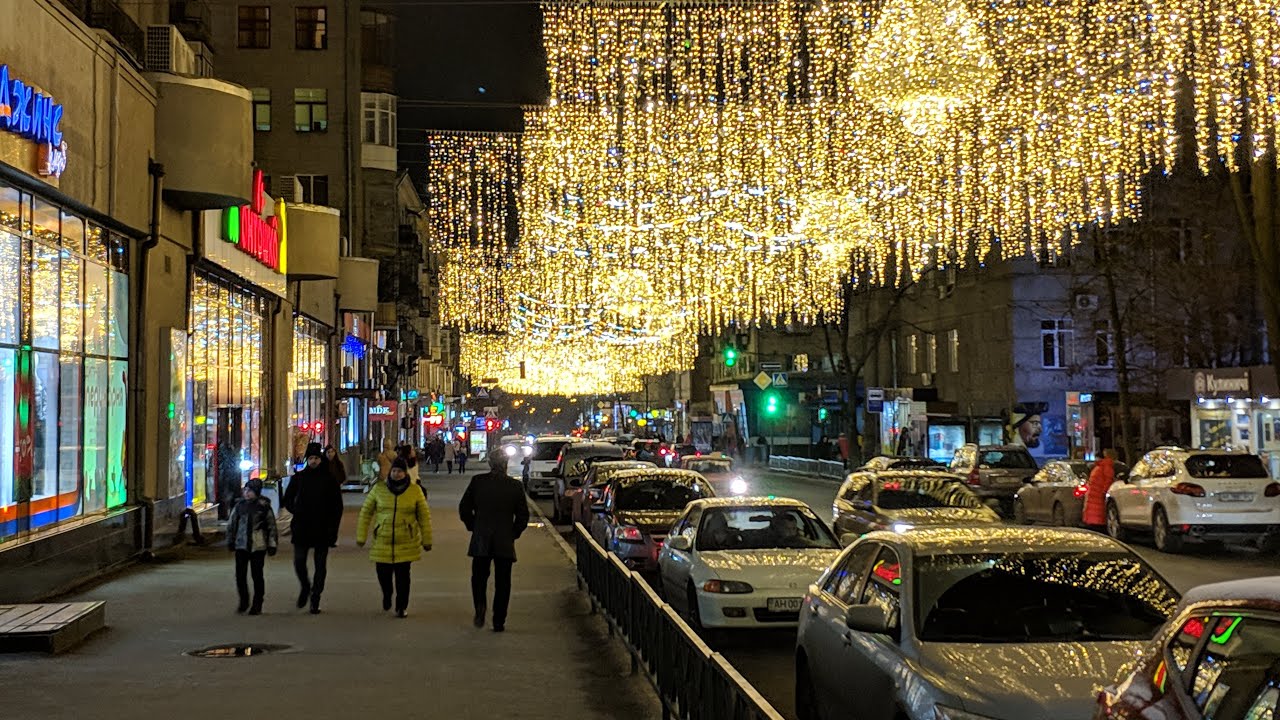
[1120,336]
[1256,206]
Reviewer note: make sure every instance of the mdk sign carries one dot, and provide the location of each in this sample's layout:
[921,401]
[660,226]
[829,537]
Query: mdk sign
[383,411]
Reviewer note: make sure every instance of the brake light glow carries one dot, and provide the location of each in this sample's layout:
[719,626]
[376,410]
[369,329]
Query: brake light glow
[1273,490]
[891,485]
[1080,491]
[627,533]
[1193,627]
[1188,489]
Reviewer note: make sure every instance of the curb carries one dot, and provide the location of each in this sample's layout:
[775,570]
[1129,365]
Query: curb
[548,526]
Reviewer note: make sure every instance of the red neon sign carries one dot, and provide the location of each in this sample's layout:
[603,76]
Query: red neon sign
[258,237]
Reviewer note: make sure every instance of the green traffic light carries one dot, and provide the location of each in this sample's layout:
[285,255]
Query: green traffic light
[771,404]
[730,357]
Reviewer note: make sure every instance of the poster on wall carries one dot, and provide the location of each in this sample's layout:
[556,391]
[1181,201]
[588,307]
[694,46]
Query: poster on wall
[95,434]
[1043,433]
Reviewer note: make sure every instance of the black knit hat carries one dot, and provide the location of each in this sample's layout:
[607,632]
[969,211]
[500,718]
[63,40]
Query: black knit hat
[314,450]
[255,485]
[400,463]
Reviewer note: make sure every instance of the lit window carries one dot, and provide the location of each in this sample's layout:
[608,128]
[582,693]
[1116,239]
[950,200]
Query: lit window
[310,109]
[931,354]
[1055,342]
[913,354]
[311,28]
[261,109]
[254,28]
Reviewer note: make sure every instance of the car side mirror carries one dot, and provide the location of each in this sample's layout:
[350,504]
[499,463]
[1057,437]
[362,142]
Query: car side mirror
[868,619]
[848,539]
[680,542]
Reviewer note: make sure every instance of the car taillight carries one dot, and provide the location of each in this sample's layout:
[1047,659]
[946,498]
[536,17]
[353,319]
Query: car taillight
[1188,489]
[1080,491]
[627,533]
[975,478]
[1273,490]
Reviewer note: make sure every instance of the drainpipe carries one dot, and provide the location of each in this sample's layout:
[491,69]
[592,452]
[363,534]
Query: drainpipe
[137,341]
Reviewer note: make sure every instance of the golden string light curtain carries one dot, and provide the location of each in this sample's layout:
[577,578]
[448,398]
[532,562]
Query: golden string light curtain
[700,164]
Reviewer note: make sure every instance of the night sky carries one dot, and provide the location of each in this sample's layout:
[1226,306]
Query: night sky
[448,50]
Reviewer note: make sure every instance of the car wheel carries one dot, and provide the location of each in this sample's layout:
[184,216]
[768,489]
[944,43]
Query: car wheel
[1059,515]
[1020,513]
[1166,540]
[807,707]
[1114,528]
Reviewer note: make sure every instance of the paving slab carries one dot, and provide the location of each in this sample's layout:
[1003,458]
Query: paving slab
[352,660]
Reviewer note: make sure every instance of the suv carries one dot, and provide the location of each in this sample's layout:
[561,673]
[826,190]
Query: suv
[1179,495]
[994,472]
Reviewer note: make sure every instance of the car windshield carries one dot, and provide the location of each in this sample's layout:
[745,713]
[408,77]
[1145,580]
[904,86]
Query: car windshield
[1040,597]
[907,493]
[1007,460]
[548,450]
[656,494]
[763,528]
[1225,466]
[709,467]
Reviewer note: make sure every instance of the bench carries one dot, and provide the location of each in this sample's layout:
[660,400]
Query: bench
[49,627]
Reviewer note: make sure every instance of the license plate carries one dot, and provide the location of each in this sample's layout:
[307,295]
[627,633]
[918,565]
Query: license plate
[1234,497]
[783,604]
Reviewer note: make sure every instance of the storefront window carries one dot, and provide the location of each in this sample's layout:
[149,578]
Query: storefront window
[310,371]
[64,357]
[227,364]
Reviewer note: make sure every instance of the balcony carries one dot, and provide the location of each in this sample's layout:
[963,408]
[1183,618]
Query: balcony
[193,18]
[204,138]
[108,15]
[357,284]
[313,235]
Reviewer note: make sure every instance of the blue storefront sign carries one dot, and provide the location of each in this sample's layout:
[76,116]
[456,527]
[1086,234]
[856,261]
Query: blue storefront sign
[32,115]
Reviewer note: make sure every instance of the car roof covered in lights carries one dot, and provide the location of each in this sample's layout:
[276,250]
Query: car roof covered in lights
[685,477]
[1000,539]
[1262,590]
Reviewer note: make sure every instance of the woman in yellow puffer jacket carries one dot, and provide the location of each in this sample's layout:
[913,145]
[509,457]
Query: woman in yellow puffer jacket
[401,520]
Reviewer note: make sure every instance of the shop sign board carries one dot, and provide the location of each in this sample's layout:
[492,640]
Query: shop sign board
[32,115]
[384,411]
[251,240]
[875,399]
[1221,382]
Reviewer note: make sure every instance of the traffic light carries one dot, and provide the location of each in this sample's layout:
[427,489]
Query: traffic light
[771,404]
[822,414]
[730,356]
[490,424]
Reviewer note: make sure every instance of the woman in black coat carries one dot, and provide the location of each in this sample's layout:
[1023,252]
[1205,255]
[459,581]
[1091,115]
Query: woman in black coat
[315,499]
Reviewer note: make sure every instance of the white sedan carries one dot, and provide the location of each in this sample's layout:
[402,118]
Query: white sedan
[739,562]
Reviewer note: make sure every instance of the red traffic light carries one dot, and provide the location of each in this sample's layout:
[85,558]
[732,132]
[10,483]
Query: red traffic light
[490,424]
[318,427]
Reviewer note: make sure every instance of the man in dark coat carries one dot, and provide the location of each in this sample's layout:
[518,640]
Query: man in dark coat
[494,509]
[315,499]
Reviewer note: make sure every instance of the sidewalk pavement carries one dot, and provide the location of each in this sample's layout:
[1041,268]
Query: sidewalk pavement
[350,661]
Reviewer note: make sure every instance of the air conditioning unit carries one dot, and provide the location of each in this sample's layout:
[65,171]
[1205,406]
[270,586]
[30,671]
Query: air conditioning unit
[288,189]
[168,51]
[1086,302]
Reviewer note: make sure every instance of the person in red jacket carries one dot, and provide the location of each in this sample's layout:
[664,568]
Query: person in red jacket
[1100,479]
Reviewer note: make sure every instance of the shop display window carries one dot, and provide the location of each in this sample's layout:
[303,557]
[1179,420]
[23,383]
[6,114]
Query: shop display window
[64,299]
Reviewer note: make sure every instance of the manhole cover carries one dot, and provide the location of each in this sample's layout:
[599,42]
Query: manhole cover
[237,650]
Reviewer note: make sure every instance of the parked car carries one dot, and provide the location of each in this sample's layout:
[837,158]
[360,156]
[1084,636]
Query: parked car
[575,460]
[1218,657]
[974,623]
[540,463]
[638,508]
[899,500]
[1180,495]
[1056,494]
[995,472]
[593,485]
[744,561]
[718,469]
[652,450]
[680,452]
[901,462]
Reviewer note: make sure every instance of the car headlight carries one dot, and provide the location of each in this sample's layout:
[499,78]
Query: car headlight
[527,451]
[942,712]
[726,587]
[902,527]
[509,450]
[738,486]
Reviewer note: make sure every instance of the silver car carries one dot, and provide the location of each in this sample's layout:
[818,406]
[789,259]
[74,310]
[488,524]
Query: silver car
[977,623]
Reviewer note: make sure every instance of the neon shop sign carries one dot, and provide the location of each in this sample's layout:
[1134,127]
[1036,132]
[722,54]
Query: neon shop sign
[30,114]
[262,238]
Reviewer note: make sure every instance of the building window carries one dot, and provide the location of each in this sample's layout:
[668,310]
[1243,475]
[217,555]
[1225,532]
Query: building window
[1055,343]
[953,350]
[254,27]
[261,109]
[310,109]
[1104,343]
[311,29]
[315,189]
[379,118]
[913,352]
[931,354]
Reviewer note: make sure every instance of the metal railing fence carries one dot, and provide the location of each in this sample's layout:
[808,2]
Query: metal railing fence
[823,468]
[692,681]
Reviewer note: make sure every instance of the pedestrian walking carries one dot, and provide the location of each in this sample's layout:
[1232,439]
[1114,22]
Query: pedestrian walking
[495,512]
[450,450]
[435,453]
[1094,512]
[405,452]
[315,499]
[251,534]
[336,467]
[397,513]
[385,458]
[460,455]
